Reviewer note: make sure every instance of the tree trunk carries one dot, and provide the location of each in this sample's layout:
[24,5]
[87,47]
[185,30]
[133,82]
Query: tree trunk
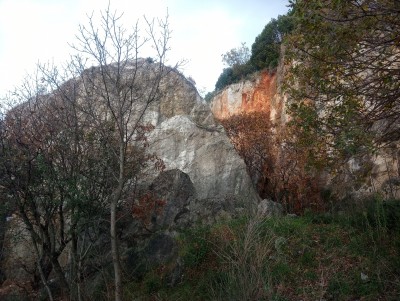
[39,266]
[115,251]
[60,275]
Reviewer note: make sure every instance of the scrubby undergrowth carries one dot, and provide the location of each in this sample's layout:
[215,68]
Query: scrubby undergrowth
[351,255]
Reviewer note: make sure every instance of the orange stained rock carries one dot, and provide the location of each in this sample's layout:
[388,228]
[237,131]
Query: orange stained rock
[246,97]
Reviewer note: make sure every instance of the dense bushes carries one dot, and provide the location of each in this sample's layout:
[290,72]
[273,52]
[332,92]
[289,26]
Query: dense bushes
[233,74]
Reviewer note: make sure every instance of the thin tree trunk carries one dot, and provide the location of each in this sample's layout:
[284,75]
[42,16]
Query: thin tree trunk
[113,227]
[41,273]
[115,251]
[61,276]
[73,268]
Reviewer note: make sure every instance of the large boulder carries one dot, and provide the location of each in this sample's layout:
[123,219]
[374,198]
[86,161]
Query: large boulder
[206,155]
[186,137]
[184,208]
[269,208]
[177,190]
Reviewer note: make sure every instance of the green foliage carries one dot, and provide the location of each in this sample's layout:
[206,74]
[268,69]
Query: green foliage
[226,78]
[236,56]
[289,258]
[380,216]
[209,96]
[197,246]
[343,80]
[265,51]
[233,75]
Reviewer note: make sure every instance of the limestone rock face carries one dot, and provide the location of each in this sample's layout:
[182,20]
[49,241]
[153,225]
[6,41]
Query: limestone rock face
[205,154]
[258,94]
[176,189]
[186,137]
[361,176]
[184,208]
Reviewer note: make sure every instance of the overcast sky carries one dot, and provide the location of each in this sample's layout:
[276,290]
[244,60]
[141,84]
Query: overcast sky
[40,30]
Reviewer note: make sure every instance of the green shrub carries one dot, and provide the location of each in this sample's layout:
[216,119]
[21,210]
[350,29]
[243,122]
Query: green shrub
[226,78]
[197,246]
[391,209]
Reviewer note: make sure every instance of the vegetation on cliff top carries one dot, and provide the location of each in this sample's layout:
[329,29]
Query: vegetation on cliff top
[265,52]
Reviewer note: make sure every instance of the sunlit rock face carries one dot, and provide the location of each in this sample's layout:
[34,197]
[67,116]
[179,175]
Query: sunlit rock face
[187,137]
[258,94]
[360,176]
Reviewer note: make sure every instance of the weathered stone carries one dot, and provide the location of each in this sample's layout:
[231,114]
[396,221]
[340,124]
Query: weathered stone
[177,190]
[258,94]
[206,155]
[186,137]
[268,208]
[160,249]
[183,208]
[210,211]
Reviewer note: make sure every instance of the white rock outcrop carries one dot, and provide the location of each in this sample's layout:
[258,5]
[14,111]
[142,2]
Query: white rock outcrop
[186,137]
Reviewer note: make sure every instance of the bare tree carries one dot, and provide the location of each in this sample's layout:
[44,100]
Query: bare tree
[115,96]
[47,161]
[75,140]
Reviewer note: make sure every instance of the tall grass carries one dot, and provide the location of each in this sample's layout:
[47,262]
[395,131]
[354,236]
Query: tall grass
[244,265]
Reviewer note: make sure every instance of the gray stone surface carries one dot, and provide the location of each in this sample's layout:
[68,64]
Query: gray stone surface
[186,137]
[177,190]
[207,156]
[182,206]
[268,208]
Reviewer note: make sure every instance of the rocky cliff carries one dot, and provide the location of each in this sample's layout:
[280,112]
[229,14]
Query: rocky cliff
[188,139]
[258,94]
[363,175]
[204,177]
